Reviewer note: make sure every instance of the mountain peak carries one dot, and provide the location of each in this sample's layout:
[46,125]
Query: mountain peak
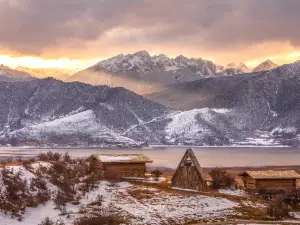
[9,74]
[3,67]
[238,66]
[266,65]
[269,61]
[142,53]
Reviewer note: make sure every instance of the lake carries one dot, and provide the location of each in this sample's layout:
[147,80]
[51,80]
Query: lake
[170,156]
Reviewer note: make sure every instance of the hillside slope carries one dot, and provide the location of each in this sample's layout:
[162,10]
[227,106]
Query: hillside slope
[264,101]
[52,112]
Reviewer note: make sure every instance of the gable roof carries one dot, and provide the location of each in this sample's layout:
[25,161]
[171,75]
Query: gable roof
[271,174]
[189,153]
[122,158]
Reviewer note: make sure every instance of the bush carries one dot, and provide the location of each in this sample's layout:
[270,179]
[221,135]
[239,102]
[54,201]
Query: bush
[13,199]
[56,156]
[156,173]
[48,221]
[67,158]
[220,178]
[290,197]
[59,167]
[278,209]
[43,157]
[96,220]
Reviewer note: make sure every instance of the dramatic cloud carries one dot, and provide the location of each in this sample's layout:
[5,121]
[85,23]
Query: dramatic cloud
[99,28]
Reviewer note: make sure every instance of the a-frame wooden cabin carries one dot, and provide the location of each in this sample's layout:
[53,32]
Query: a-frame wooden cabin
[188,174]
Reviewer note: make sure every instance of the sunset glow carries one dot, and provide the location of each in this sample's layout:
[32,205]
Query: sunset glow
[75,65]
[75,34]
[35,62]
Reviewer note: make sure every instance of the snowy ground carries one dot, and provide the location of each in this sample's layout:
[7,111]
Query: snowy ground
[234,192]
[295,214]
[137,204]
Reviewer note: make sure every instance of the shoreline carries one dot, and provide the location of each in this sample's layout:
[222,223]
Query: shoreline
[151,147]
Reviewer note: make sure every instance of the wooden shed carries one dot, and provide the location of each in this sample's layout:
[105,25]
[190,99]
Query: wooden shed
[270,179]
[119,165]
[188,174]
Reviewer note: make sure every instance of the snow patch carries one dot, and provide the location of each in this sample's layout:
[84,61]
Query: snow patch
[287,130]
[105,158]
[38,165]
[234,192]
[295,214]
[186,124]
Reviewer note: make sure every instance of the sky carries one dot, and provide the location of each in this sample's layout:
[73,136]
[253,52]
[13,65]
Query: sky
[74,34]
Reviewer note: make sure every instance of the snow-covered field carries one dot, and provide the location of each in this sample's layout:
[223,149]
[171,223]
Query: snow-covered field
[151,206]
[136,203]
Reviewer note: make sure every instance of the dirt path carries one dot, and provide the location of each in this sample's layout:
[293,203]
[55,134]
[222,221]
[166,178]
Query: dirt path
[10,164]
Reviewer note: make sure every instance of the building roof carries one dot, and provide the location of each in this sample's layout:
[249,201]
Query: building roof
[123,158]
[189,153]
[271,174]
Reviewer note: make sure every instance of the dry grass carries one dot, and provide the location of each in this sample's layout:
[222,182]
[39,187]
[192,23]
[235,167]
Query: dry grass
[141,194]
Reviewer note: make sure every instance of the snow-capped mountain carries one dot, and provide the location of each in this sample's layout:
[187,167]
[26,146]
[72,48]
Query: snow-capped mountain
[50,112]
[253,108]
[143,63]
[264,66]
[60,74]
[261,105]
[8,74]
[143,73]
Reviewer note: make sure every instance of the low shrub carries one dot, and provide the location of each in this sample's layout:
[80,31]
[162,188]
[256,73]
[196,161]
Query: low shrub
[221,179]
[156,173]
[48,221]
[96,220]
[278,209]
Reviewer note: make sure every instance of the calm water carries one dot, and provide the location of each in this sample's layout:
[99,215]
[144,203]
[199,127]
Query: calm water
[170,156]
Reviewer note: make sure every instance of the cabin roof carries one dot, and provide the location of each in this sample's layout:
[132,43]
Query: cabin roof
[189,153]
[271,174]
[123,158]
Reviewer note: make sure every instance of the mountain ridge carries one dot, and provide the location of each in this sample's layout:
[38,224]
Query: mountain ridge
[247,109]
[142,73]
[8,74]
[60,74]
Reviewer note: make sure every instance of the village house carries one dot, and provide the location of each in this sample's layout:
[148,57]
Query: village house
[115,166]
[188,174]
[270,179]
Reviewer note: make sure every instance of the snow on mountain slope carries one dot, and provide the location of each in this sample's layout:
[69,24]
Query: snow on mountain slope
[50,112]
[259,106]
[83,124]
[194,125]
